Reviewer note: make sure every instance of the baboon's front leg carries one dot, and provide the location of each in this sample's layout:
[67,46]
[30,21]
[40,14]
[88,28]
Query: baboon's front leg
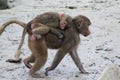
[76,59]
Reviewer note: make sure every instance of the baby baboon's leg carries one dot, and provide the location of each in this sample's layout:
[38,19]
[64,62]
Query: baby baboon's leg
[38,28]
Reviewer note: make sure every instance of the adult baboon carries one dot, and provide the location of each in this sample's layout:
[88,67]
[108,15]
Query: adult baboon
[80,25]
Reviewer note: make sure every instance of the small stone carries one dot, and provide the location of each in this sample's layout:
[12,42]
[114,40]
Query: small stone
[71,7]
[76,76]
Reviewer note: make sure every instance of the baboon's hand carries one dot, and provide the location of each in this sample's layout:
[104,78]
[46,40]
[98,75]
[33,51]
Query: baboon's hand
[35,36]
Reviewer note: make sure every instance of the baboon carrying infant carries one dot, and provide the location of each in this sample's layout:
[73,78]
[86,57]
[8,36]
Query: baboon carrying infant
[47,37]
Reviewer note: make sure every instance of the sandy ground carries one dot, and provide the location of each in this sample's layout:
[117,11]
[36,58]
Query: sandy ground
[100,49]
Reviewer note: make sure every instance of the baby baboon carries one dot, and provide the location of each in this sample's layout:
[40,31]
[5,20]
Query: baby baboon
[55,22]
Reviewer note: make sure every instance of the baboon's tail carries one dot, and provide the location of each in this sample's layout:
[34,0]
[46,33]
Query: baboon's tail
[18,52]
[2,28]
